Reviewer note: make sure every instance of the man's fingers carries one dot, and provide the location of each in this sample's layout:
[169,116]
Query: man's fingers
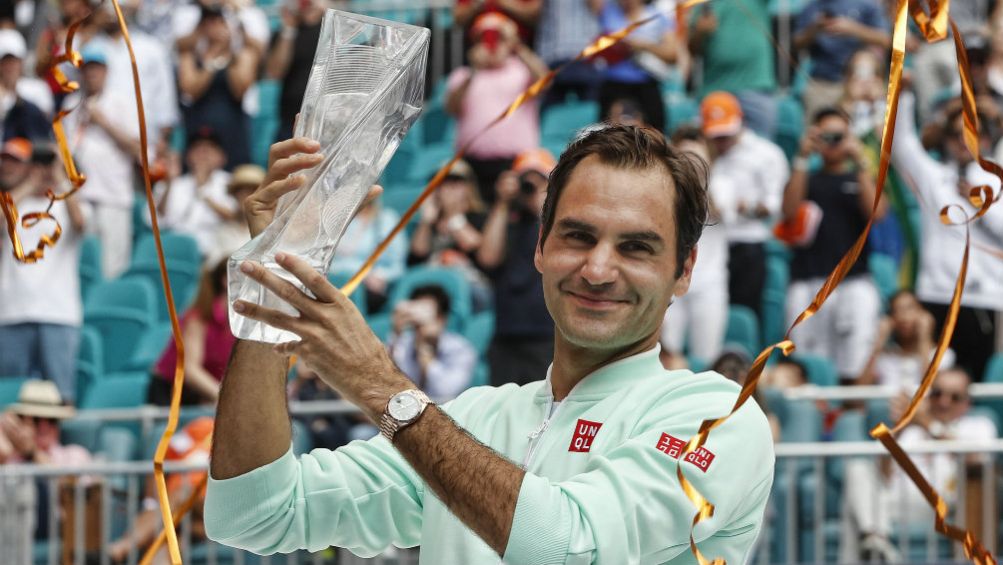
[269,316]
[271,193]
[311,279]
[286,166]
[292,146]
[280,287]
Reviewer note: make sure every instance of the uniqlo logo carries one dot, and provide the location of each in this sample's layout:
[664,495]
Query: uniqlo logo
[585,432]
[673,447]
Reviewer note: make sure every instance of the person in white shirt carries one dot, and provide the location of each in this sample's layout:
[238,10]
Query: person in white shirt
[702,314]
[759,171]
[232,234]
[12,53]
[198,203]
[103,135]
[41,313]
[947,182]
[879,494]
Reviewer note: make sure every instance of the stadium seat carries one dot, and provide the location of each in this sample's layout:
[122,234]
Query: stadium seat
[437,127]
[90,362]
[428,162]
[339,279]
[178,248]
[381,324]
[400,198]
[80,431]
[399,167]
[821,371]
[119,390]
[121,311]
[563,121]
[885,271]
[182,272]
[90,264]
[774,322]
[150,347]
[452,281]
[117,444]
[482,375]
[10,387]
[479,330]
[743,329]
[790,125]
[680,111]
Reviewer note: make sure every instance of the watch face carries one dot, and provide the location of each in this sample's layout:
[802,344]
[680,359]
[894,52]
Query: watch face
[404,407]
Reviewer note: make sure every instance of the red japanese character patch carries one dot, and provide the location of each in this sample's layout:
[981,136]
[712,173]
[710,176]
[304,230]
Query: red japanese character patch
[673,447]
[585,432]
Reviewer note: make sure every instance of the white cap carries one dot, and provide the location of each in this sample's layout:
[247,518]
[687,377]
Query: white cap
[12,43]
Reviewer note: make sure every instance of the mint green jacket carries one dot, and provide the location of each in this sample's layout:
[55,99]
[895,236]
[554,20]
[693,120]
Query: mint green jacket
[600,485]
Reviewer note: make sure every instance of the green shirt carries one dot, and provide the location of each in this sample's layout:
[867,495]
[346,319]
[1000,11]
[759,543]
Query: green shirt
[738,55]
[600,485]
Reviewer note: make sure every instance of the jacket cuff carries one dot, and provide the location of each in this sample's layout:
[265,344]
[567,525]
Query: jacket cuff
[541,527]
[233,505]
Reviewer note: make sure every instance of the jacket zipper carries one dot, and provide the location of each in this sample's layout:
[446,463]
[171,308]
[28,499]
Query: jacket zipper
[535,435]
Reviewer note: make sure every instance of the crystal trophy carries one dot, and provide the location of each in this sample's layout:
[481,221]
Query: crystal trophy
[364,92]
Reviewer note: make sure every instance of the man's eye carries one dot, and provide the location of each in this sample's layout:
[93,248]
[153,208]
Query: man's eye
[579,235]
[635,247]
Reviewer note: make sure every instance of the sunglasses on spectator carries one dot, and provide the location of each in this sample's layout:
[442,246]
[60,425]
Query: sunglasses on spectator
[955,397]
[832,137]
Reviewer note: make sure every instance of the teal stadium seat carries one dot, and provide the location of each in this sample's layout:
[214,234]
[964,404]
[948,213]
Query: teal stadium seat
[119,390]
[90,361]
[885,272]
[790,125]
[437,126]
[821,371]
[183,260]
[121,311]
[563,121]
[680,110]
[150,347]
[451,280]
[479,330]
[90,264]
[10,387]
[743,329]
[774,305]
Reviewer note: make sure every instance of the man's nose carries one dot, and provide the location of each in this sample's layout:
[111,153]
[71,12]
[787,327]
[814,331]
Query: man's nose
[600,266]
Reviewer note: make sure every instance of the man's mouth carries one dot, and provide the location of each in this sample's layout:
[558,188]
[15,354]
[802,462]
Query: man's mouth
[594,300]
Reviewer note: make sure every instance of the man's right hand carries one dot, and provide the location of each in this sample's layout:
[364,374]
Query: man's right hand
[285,160]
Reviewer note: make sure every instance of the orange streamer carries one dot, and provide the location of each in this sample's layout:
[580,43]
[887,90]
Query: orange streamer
[179,514]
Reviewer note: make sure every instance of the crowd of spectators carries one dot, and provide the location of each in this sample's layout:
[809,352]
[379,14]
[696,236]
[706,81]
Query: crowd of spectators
[791,209]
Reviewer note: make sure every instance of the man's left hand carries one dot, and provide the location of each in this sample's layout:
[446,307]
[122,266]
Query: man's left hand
[334,338]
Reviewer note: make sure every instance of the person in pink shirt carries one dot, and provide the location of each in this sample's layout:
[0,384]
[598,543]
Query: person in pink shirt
[205,331]
[500,68]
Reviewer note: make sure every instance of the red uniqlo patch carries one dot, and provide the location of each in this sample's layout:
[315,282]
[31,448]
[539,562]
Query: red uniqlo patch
[673,447]
[585,432]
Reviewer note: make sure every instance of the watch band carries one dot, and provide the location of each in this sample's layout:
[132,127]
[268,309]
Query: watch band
[389,426]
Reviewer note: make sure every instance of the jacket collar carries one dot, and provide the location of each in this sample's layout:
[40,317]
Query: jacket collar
[610,377]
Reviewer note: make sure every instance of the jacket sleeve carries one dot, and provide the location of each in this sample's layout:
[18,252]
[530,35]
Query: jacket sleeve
[628,507]
[363,497]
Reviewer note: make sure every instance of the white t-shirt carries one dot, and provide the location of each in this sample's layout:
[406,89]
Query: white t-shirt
[187,209]
[711,267]
[760,171]
[896,369]
[47,291]
[38,93]
[109,170]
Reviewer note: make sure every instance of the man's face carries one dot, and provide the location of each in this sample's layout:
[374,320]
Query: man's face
[723,143]
[905,313]
[949,396]
[609,261]
[834,135]
[10,71]
[205,155]
[94,75]
[12,171]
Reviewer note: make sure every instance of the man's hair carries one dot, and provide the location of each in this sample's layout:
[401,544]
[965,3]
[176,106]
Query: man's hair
[798,366]
[436,293]
[639,148]
[829,112]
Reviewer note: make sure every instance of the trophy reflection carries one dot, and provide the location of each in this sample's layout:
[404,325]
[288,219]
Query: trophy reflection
[364,92]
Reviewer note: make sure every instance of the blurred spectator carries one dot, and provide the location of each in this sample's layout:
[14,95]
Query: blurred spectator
[942,183]
[41,313]
[205,332]
[864,86]
[29,433]
[15,163]
[626,112]
[904,346]
[242,15]
[564,29]
[733,364]
[826,211]
[523,13]
[450,228]
[51,42]
[701,315]
[523,344]
[880,495]
[18,116]
[13,51]
[213,76]
[831,31]
[290,59]
[232,233]
[370,226]
[785,373]
[938,62]
[439,361]
[501,67]
[637,65]
[153,60]
[760,168]
[198,203]
[191,444]
[737,57]
[103,136]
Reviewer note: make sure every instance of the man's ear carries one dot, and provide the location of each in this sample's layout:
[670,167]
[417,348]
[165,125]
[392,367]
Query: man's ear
[538,253]
[683,282]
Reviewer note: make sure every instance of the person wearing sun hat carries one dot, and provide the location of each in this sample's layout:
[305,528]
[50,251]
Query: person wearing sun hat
[232,233]
[523,342]
[760,168]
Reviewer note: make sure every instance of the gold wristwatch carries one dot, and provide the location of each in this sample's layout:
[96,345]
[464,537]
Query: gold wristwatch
[403,409]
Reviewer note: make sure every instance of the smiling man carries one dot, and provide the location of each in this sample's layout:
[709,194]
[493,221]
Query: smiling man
[577,468]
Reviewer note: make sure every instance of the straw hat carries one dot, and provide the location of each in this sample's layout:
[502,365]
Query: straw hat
[246,175]
[41,399]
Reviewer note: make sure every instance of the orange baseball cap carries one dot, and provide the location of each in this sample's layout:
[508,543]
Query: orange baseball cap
[721,115]
[539,160]
[18,148]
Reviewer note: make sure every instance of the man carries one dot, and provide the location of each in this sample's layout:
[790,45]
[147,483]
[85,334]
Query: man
[835,203]
[41,312]
[104,138]
[831,30]
[880,494]
[523,343]
[19,115]
[12,53]
[15,163]
[618,237]
[564,29]
[760,168]
[290,58]
[439,361]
